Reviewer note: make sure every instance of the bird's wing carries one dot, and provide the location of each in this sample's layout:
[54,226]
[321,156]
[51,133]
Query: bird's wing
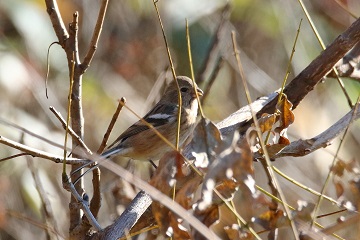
[160,115]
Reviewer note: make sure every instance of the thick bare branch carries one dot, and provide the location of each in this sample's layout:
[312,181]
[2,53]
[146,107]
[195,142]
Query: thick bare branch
[349,65]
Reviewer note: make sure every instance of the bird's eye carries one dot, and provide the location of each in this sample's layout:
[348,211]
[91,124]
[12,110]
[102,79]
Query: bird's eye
[183,89]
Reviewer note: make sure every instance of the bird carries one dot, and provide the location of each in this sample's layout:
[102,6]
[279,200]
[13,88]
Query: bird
[140,142]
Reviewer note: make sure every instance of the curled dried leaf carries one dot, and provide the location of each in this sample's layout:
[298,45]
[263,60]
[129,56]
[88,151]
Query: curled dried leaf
[286,116]
[266,122]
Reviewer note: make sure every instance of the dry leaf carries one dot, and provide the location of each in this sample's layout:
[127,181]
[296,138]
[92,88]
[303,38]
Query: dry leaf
[339,168]
[286,117]
[207,216]
[164,179]
[339,188]
[236,233]
[205,141]
[177,230]
[274,149]
[355,190]
[271,220]
[186,193]
[234,162]
[283,140]
[266,122]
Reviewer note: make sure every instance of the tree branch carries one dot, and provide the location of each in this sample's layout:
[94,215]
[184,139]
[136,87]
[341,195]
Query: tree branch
[41,154]
[57,22]
[96,35]
[304,147]
[305,82]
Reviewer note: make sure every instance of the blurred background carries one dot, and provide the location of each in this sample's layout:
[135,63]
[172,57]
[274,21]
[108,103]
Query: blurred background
[131,62]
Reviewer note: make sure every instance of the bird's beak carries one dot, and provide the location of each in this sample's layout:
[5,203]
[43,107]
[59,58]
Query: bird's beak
[199,92]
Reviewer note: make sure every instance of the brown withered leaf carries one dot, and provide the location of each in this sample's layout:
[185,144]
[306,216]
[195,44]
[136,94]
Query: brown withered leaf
[207,216]
[271,220]
[227,189]
[283,140]
[273,149]
[178,231]
[236,233]
[339,168]
[352,166]
[206,139]
[355,190]
[339,188]
[161,215]
[164,179]
[286,117]
[168,171]
[266,122]
[186,193]
[234,162]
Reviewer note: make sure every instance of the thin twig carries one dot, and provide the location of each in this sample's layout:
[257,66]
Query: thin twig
[333,163]
[14,156]
[111,125]
[46,206]
[48,67]
[192,67]
[69,129]
[306,188]
[31,220]
[38,153]
[268,168]
[24,130]
[95,37]
[81,202]
[174,75]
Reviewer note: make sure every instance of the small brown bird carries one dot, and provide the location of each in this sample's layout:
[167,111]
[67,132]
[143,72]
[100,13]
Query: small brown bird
[140,142]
